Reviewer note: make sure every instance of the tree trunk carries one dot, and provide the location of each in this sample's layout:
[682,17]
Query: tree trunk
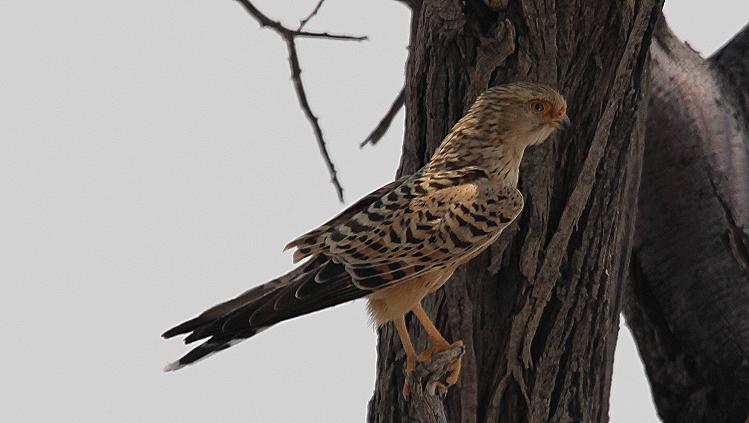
[688,303]
[539,311]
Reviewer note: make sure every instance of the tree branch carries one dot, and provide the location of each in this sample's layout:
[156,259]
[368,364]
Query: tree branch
[386,120]
[428,389]
[686,301]
[302,95]
[285,32]
[289,36]
[312,14]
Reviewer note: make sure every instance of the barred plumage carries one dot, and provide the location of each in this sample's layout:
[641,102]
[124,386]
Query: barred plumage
[404,240]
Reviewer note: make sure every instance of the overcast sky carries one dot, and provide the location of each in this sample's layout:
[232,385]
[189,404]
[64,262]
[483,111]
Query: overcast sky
[153,161]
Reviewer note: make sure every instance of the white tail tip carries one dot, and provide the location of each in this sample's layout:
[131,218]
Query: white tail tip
[172,366]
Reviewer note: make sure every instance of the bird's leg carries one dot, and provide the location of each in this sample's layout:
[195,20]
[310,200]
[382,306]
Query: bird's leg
[400,326]
[438,343]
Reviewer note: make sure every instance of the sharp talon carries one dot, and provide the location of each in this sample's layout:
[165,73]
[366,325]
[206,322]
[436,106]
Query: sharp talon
[410,368]
[437,387]
[407,389]
[426,357]
[456,366]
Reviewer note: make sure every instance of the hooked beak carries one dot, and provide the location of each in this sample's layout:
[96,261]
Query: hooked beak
[563,122]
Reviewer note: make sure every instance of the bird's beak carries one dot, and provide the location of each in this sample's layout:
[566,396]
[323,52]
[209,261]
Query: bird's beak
[563,122]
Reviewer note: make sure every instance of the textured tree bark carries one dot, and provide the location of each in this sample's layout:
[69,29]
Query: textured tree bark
[426,397]
[539,311]
[688,301]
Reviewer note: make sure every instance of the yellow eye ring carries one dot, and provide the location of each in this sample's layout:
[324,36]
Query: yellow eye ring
[539,107]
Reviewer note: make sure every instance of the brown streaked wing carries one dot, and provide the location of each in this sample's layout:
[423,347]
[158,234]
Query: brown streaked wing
[463,230]
[310,238]
[427,223]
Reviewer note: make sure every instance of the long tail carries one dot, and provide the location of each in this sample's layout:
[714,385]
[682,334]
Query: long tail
[317,284]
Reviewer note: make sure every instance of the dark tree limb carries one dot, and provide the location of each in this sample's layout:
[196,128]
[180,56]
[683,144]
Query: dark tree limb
[688,300]
[386,120]
[290,36]
[732,64]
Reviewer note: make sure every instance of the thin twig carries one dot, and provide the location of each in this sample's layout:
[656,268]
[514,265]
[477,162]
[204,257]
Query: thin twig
[296,71]
[285,32]
[328,35]
[311,15]
[386,120]
[289,36]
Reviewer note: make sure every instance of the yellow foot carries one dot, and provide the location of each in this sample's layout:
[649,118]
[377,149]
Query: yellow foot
[456,366]
[410,368]
[436,348]
[407,388]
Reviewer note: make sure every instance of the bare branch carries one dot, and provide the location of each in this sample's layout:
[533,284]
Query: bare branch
[289,36]
[312,14]
[428,389]
[285,32]
[386,120]
[296,71]
[340,37]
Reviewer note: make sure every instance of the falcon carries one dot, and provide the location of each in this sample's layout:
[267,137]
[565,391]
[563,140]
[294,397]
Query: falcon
[404,240]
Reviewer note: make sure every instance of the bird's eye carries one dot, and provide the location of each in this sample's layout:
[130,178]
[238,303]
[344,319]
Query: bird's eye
[538,107]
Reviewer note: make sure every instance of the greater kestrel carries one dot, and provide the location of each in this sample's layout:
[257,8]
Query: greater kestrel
[404,240]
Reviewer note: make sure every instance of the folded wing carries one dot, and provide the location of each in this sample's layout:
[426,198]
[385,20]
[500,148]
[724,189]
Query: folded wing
[426,223]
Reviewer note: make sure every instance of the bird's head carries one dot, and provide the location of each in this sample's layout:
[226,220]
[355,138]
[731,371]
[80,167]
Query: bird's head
[522,113]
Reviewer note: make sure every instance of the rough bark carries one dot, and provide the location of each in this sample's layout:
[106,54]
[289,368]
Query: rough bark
[427,387]
[688,303]
[539,311]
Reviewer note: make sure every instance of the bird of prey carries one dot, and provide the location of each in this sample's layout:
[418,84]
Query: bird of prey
[404,240]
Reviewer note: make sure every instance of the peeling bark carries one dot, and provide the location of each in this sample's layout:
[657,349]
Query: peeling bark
[688,302]
[539,311]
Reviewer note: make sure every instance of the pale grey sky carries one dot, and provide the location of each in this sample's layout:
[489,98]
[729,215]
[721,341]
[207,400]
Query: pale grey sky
[153,161]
